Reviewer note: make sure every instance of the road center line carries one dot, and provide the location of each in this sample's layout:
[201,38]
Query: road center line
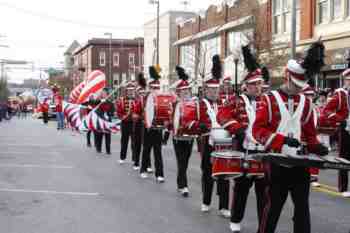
[35,166]
[49,192]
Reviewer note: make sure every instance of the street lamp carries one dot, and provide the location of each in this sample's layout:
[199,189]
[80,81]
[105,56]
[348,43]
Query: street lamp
[110,58]
[156,2]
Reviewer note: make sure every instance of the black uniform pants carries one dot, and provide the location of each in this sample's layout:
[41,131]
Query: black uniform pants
[45,117]
[240,195]
[126,128]
[99,139]
[183,151]
[137,141]
[344,152]
[280,182]
[152,140]
[88,138]
[222,185]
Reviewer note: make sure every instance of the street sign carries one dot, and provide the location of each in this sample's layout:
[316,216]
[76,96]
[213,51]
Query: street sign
[339,67]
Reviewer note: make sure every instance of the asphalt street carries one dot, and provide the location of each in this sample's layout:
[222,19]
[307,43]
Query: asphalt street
[50,182]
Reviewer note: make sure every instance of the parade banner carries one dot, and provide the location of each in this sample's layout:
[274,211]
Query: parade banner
[74,95]
[92,122]
[95,83]
[73,113]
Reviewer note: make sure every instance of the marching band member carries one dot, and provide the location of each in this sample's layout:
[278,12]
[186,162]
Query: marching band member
[337,112]
[208,108]
[238,118]
[138,124]
[105,110]
[153,138]
[182,145]
[125,106]
[310,93]
[283,120]
[90,105]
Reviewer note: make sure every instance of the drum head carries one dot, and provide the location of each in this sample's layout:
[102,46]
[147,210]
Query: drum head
[149,111]
[176,119]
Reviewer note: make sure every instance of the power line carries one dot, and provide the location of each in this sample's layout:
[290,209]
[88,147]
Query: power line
[43,15]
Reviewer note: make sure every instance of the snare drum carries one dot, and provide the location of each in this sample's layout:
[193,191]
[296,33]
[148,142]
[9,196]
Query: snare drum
[235,164]
[158,110]
[185,114]
[221,140]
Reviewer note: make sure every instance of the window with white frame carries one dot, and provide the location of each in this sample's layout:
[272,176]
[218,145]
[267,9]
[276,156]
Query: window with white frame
[281,20]
[187,58]
[116,79]
[234,45]
[131,59]
[323,11]
[209,48]
[329,10]
[115,59]
[337,11]
[102,56]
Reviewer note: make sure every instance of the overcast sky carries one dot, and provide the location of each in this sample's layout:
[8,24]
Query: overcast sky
[36,30]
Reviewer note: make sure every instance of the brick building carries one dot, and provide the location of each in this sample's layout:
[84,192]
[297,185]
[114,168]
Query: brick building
[121,64]
[220,30]
[328,19]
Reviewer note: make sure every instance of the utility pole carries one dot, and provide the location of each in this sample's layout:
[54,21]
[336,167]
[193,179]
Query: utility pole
[157,32]
[294,29]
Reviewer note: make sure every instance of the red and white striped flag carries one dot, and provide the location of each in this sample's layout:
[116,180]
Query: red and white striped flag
[95,83]
[74,95]
[95,123]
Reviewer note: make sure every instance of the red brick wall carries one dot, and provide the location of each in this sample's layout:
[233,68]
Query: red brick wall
[307,19]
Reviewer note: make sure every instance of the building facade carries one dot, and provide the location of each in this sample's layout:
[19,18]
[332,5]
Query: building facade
[325,19]
[119,59]
[167,36]
[219,30]
[222,29]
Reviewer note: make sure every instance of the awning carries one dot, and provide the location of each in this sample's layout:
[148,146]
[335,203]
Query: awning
[183,40]
[245,20]
[206,33]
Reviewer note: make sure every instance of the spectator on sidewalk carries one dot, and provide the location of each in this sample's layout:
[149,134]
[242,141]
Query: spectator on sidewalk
[59,112]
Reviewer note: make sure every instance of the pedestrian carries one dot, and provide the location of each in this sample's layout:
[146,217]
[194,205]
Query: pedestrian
[45,110]
[59,112]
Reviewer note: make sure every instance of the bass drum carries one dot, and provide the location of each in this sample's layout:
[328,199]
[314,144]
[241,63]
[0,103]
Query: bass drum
[185,114]
[158,110]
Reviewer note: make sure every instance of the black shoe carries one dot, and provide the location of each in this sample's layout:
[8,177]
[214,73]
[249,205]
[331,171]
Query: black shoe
[88,145]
